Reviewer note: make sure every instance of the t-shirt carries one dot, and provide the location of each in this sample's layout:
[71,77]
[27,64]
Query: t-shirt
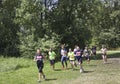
[103,50]
[94,49]
[86,52]
[63,52]
[79,53]
[39,57]
[71,55]
[52,55]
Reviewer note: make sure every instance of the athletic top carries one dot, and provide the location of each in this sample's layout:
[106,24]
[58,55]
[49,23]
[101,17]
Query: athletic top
[63,52]
[94,49]
[39,57]
[86,52]
[71,55]
[78,53]
[103,50]
[52,55]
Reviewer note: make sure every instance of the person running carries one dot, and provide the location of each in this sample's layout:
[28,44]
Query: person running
[104,53]
[52,55]
[78,55]
[87,54]
[71,58]
[39,60]
[93,50]
[75,49]
[63,57]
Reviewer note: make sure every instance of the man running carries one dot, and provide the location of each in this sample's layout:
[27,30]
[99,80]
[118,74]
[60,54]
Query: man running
[39,60]
[52,55]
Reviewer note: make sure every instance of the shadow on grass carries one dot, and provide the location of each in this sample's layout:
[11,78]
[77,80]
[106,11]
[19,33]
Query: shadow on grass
[51,79]
[92,65]
[57,70]
[109,55]
[88,71]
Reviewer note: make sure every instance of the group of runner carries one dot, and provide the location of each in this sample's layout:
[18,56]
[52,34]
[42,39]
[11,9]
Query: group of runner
[75,57]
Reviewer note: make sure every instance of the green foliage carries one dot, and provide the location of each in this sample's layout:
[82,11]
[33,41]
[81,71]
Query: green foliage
[28,45]
[29,24]
[8,29]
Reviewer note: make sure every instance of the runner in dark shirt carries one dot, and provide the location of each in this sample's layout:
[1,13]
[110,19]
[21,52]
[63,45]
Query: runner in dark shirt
[39,60]
[78,54]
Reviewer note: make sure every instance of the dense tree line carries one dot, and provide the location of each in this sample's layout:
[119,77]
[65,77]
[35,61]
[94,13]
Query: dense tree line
[26,25]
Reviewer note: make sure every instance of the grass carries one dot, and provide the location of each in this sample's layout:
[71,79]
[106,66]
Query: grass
[24,71]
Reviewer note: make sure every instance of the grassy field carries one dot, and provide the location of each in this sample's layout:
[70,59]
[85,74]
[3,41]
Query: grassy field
[24,71]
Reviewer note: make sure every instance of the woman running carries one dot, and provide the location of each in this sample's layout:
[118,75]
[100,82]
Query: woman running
[104,54]
[87,54]
[63,57]
[78,55]
[71,58]
[93,50]
[52,55]
[39,60]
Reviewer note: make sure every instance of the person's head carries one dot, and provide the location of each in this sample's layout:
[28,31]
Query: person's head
[86,47]
[50,49]
[38,51]
[78,48]
[62,46]
[70,50]
[103,46]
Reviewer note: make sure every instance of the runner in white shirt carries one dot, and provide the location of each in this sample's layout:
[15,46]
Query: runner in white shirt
[104,53]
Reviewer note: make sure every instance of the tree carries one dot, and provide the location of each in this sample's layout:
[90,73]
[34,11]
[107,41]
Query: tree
[8,36]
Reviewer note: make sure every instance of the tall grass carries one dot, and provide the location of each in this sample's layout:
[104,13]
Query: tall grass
[11,64]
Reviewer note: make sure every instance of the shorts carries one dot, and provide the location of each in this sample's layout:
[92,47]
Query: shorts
[104,54]
[72,61]
[52,62]
[79,59]
[40,65]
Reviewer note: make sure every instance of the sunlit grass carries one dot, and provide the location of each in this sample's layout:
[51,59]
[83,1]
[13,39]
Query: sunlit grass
[24,71]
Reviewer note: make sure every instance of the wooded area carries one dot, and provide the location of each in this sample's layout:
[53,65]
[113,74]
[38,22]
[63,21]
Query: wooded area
[29,24]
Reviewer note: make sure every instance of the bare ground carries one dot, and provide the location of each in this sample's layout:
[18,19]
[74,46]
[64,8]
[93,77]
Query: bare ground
[103,74]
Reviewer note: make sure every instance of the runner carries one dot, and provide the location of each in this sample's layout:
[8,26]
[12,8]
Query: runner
[71,58]
[87,54]
[63,57]
[104,54]
[52,55]
[78,55]
[75,49]
[93,50]
[39,60]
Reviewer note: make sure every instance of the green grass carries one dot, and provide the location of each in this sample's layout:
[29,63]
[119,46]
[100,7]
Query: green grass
[24,71]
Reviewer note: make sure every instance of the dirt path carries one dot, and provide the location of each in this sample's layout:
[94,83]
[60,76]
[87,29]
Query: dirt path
[114,60]
[102,76]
